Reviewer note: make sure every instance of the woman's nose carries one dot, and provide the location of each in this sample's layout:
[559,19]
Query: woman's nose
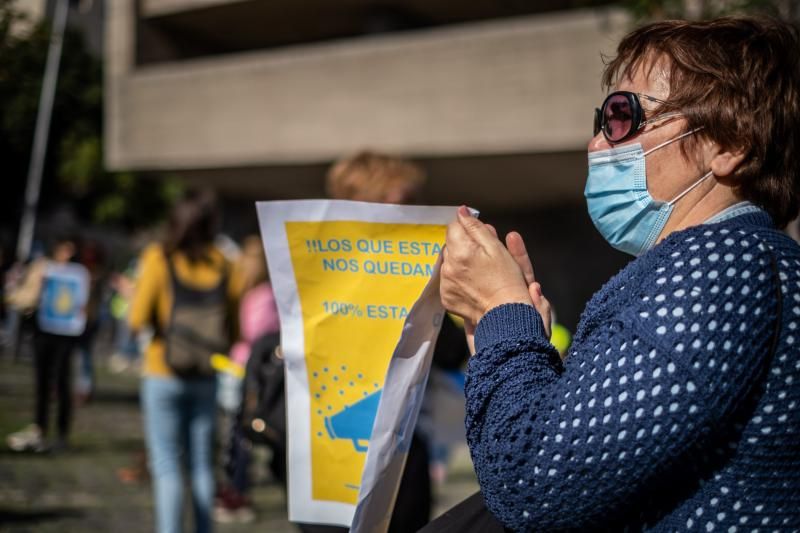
[599,142]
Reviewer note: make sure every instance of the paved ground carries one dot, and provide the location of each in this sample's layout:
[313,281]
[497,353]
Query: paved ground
[79,491]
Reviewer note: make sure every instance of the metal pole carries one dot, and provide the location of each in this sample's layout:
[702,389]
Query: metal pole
[43,116]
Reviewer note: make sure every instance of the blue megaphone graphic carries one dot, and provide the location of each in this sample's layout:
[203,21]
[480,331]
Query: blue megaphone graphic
[354,422]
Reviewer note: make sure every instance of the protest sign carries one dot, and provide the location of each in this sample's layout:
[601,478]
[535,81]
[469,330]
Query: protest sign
[398,410]
[345,275]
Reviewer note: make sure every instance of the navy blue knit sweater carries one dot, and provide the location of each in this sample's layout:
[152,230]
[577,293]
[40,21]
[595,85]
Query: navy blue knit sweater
[670,412]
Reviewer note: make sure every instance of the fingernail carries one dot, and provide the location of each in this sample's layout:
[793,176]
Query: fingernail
[463,211]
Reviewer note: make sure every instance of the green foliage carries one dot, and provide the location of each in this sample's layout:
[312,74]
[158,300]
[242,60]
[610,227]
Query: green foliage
[74,170]
[81,162]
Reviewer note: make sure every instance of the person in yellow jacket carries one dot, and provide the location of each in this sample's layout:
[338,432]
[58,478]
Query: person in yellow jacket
[179,410]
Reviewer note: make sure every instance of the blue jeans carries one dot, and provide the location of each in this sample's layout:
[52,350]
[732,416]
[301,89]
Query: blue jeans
[179,424]
[125,342]
[85,347]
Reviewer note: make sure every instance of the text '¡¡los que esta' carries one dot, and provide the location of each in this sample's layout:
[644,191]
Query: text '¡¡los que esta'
[372,247]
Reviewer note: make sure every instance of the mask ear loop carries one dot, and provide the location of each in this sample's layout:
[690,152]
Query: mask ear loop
[691,188]
[695,184]
[678,138]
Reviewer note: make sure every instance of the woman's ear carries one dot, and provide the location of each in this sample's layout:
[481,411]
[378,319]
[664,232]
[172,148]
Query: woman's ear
[725,162]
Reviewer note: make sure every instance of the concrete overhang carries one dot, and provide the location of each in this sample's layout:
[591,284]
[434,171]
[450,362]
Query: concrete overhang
[504,91]
[160,8]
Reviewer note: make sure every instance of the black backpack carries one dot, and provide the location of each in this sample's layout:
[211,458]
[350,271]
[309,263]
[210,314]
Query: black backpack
[198,326]
[263,408]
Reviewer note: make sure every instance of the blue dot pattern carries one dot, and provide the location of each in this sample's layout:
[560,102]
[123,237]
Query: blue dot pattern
[330,387]
[668,413]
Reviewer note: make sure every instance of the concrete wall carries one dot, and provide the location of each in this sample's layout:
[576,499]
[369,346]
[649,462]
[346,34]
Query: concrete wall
[525,85]
[156,8]
[498,113]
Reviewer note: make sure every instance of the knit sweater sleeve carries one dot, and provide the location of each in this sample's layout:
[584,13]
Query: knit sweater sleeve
[568,446]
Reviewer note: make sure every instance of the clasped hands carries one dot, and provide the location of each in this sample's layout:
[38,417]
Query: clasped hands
[479,273]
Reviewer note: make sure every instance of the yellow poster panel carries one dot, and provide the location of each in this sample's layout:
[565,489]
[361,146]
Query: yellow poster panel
[356,282]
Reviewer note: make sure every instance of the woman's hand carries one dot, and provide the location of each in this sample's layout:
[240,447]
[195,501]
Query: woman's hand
[478,272]
[476,244]
[516,247]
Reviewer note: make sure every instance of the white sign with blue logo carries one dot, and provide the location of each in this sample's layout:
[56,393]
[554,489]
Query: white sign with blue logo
[62,305]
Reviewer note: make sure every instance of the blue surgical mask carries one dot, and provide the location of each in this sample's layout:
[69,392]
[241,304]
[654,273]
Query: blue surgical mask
[619,204]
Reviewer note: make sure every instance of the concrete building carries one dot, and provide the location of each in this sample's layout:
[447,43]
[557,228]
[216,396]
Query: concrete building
[256,98]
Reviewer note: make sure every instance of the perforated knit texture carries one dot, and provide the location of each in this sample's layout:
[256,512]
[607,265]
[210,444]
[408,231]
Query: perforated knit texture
[668,413]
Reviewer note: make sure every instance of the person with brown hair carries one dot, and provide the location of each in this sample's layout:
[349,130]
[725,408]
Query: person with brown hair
[183,275]
[374,177]
[56,290]
[676,406]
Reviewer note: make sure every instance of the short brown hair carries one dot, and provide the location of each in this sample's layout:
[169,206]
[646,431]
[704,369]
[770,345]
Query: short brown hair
[739,79]
[373,177]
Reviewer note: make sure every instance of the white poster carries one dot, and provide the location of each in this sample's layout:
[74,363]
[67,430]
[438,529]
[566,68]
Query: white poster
[346,277]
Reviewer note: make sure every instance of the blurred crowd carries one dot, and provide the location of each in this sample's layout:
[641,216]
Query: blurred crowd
[193,313]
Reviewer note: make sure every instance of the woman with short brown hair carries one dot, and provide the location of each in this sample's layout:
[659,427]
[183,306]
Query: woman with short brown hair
[676,407]
[736,78]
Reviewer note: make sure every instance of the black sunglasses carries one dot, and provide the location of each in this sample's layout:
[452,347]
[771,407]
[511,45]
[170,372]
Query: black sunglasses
[622,115]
